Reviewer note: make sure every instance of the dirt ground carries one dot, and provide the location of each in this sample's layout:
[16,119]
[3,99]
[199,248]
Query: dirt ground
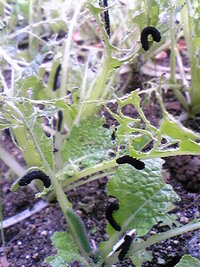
[28,242]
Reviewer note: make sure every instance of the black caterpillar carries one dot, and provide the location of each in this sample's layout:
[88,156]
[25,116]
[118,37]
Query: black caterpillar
[56,77]
[29,177]
[113,135]
[144,36]
[124,247]
[138,164]
[109,216]
[106,17]
[60,118]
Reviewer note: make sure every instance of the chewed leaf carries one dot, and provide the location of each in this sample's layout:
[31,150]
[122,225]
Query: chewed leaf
[89,143]
[176,130]
[45,143]
[143,196]
[66,250]
[188,261]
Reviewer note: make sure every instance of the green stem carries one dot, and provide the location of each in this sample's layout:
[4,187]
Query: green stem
[66,65]
[61,197]
[30,38]
[2,230]
[172,54]
[69,187]
[63,201]
[97,90]
[90,171]
[67,49]
[142,245]
[163,236]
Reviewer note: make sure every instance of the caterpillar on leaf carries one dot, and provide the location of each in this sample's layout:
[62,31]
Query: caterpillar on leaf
[106,18]
[123,245]
[109,216]
[138,164]
[144,36]
[29,177]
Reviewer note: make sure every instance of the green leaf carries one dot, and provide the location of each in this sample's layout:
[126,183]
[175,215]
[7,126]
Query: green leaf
[188,261]
[94,9]
[29,79]
[141,141]
[140,257]
[45,143]
[189,145]
[35,85]
[176,130]
[154,12]
[27,147]
[140,19]
[66,250]
[89,143]
[144,198]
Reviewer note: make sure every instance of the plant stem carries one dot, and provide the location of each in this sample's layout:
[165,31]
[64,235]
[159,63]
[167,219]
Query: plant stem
[67,49]
[172,54]
[69,187]
[142,245]
[66,64]
[2,231]
[30,39]
[90,171]
[163,236]
[61,197]
[11,162]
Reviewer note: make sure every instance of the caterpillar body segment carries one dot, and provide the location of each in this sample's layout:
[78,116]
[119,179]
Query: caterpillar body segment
[125,247]
[109,216]
[106,18]
[60,119]
[56,77]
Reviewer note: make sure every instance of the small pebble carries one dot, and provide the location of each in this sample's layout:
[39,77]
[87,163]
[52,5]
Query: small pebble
[197,214]
[35,256]
[44,233]
[184,220]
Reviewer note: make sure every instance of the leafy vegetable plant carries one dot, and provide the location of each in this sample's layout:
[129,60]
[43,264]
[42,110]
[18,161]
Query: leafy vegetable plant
[78,149]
